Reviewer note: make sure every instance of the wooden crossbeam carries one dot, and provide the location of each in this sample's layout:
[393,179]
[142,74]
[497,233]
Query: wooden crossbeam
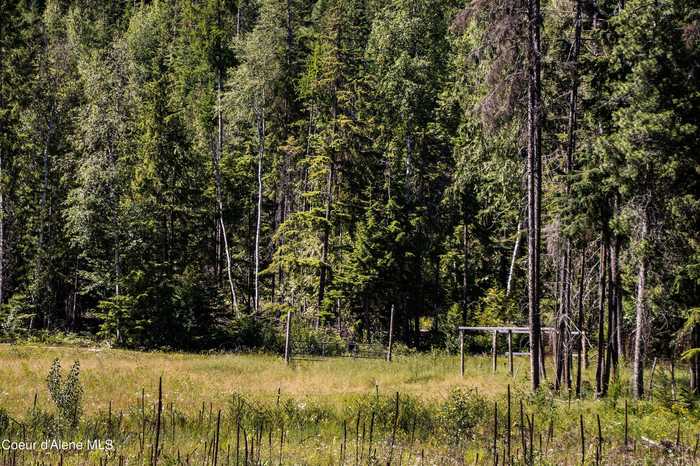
[520,330]
[495,331]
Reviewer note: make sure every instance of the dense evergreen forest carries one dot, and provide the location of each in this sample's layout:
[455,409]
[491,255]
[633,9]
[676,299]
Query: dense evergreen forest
[183,173]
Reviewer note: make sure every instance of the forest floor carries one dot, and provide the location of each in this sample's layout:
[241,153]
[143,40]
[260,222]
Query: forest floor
[415,410]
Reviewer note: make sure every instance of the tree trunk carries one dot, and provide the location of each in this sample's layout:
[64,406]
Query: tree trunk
[638,368]
[617,284]
[534,181]
[514,257]
[600,387]
[570,150]
[261,151]
[581,334]
[614,302]
[695,361]
[465,261]
[560,323]
[609,350]
[2,234]
[326,235]
[219,195]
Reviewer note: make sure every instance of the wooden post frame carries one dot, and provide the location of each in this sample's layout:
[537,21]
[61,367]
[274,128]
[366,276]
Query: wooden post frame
[510,330]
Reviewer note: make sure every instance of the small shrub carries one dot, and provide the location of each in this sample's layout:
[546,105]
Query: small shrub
[461,413]
[14,316]
[4,421]
[248,332]
[67,395]
[413,413]
[44,422]
[317,341]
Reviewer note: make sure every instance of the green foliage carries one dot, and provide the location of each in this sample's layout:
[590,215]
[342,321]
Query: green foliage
[339,157]
[14,316]
[66,395]
[4,421]
[306,339]
[494,309]
[120,320]
[461,413]
[249,332]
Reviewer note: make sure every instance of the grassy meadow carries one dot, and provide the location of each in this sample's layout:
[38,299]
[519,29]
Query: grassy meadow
[415,410]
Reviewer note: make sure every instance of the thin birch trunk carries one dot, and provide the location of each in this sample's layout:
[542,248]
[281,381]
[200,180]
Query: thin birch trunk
[514,257]
[534,191]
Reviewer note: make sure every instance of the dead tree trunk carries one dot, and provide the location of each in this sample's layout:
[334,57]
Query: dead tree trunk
[534,185]
[581,334]
[219,195]
[513,259]
[613,302]
[617,302]
[640,320]
[600,387]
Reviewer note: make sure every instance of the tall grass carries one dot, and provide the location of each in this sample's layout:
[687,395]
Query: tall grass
[252,409]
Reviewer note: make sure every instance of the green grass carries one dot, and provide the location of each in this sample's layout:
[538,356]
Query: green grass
[316,403]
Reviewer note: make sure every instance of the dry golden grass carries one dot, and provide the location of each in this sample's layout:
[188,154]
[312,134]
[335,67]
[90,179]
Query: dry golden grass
[195,384]
[119,376]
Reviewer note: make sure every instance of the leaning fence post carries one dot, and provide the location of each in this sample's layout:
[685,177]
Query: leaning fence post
[651,379]
[287,348]
[461,352]
[391,332]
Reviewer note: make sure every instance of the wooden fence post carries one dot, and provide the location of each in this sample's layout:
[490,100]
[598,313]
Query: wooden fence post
[651,380]
[287,347]
[391,334]
[510,352]
[494,354]
[461,353]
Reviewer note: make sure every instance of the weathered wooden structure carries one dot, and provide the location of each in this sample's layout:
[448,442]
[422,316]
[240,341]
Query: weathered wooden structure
[509,330]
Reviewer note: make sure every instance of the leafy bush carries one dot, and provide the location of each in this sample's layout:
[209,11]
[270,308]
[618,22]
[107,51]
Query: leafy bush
[461,413]
[13,316]
[249,332]
[317,341]
[415,416]
[121,323]
[67,395]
